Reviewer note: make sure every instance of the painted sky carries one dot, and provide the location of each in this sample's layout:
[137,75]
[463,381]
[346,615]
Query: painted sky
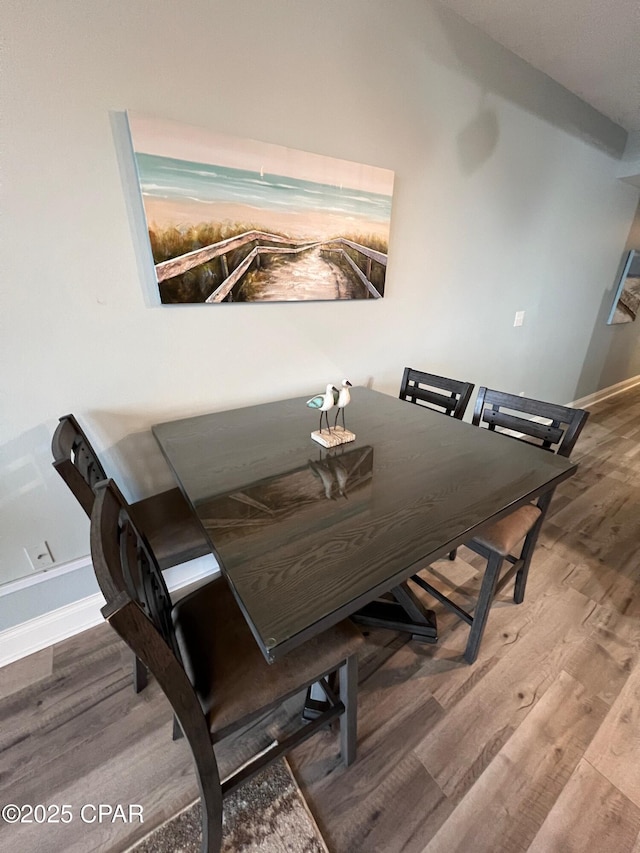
[166,138]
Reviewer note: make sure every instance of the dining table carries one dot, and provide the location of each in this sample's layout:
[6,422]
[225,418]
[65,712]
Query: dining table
[306,536]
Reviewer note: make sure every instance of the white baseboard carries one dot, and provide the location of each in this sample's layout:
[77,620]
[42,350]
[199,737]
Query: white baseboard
[64,622]
[605,393]
[44,576]
[52,627]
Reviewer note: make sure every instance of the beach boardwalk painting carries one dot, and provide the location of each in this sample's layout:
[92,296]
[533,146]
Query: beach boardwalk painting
[626,303]
[237,220]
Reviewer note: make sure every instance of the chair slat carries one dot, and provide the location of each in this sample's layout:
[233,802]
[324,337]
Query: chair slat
[545,432]
[419,387]
[415,393]
[569,422]
[516,403]
[76,461]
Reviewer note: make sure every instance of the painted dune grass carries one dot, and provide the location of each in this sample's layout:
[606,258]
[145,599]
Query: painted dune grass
[319,226]
[199,282]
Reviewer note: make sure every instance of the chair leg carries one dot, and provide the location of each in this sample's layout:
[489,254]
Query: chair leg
[140,676]
[523,572]
[349,720]
[177,732]
[211,828]
[481,612]
[528,548]
[210,801]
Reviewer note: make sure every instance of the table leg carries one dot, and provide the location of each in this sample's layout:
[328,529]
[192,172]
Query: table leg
[405,613]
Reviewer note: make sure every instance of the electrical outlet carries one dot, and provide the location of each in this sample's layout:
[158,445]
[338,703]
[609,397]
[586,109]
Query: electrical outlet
[519,318]
[40,556]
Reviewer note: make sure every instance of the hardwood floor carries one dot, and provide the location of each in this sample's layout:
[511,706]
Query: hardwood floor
[536,747]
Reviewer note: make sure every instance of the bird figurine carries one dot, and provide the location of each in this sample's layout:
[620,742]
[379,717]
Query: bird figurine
[325,402]
[344,398]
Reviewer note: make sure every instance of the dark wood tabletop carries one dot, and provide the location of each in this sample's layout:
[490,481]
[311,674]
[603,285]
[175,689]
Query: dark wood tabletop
[306,536]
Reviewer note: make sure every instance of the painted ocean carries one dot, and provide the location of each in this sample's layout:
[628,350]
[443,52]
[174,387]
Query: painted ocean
[172,179]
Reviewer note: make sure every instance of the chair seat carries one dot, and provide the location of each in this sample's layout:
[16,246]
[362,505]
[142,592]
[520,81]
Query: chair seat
[230,675]
[503,536]
[172,530]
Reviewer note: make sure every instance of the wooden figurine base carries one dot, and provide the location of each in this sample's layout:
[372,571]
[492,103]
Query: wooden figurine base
[333,437]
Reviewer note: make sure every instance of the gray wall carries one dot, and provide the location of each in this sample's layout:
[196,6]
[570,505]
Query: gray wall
[506,199]
[633,240]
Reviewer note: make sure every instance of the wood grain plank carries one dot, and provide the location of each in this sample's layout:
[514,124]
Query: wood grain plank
[615,751]
[590,814]
[605,511]
[457,750]
[158,776]
[507,806]
[419,807]
[25,672]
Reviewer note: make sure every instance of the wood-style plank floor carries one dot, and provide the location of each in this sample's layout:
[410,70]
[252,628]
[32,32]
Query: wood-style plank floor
[536,747]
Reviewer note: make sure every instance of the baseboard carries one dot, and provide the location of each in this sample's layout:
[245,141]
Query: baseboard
[53,627]
[45,576]
[64,622]
[605,393]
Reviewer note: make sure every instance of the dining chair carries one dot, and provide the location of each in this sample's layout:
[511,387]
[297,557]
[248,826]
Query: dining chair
[512,539]
[206,661]
[450,396]
[425,389]
[173,531]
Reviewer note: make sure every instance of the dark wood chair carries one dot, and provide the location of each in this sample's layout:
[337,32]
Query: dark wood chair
[513,538]
[425,389]
[450,396]
[206,660]
[173,531]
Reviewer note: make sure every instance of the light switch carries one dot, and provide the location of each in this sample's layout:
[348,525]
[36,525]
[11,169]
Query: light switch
[519,319]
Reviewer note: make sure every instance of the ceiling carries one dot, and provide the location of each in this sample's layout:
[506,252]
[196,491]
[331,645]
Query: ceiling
[591,47]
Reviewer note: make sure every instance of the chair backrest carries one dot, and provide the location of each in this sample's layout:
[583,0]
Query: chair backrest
[125,562]
[427,389]
[138,608]
[76,461]
[529,419]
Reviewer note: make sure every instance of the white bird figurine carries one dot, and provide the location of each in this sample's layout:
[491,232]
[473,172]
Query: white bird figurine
[325,402]
[344,398]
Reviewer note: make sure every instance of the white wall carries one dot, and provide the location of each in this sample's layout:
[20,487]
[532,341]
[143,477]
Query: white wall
[506,199]
[629,168]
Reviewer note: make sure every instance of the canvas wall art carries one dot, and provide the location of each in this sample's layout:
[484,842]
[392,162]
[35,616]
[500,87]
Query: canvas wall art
[627,299]
[237,220]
